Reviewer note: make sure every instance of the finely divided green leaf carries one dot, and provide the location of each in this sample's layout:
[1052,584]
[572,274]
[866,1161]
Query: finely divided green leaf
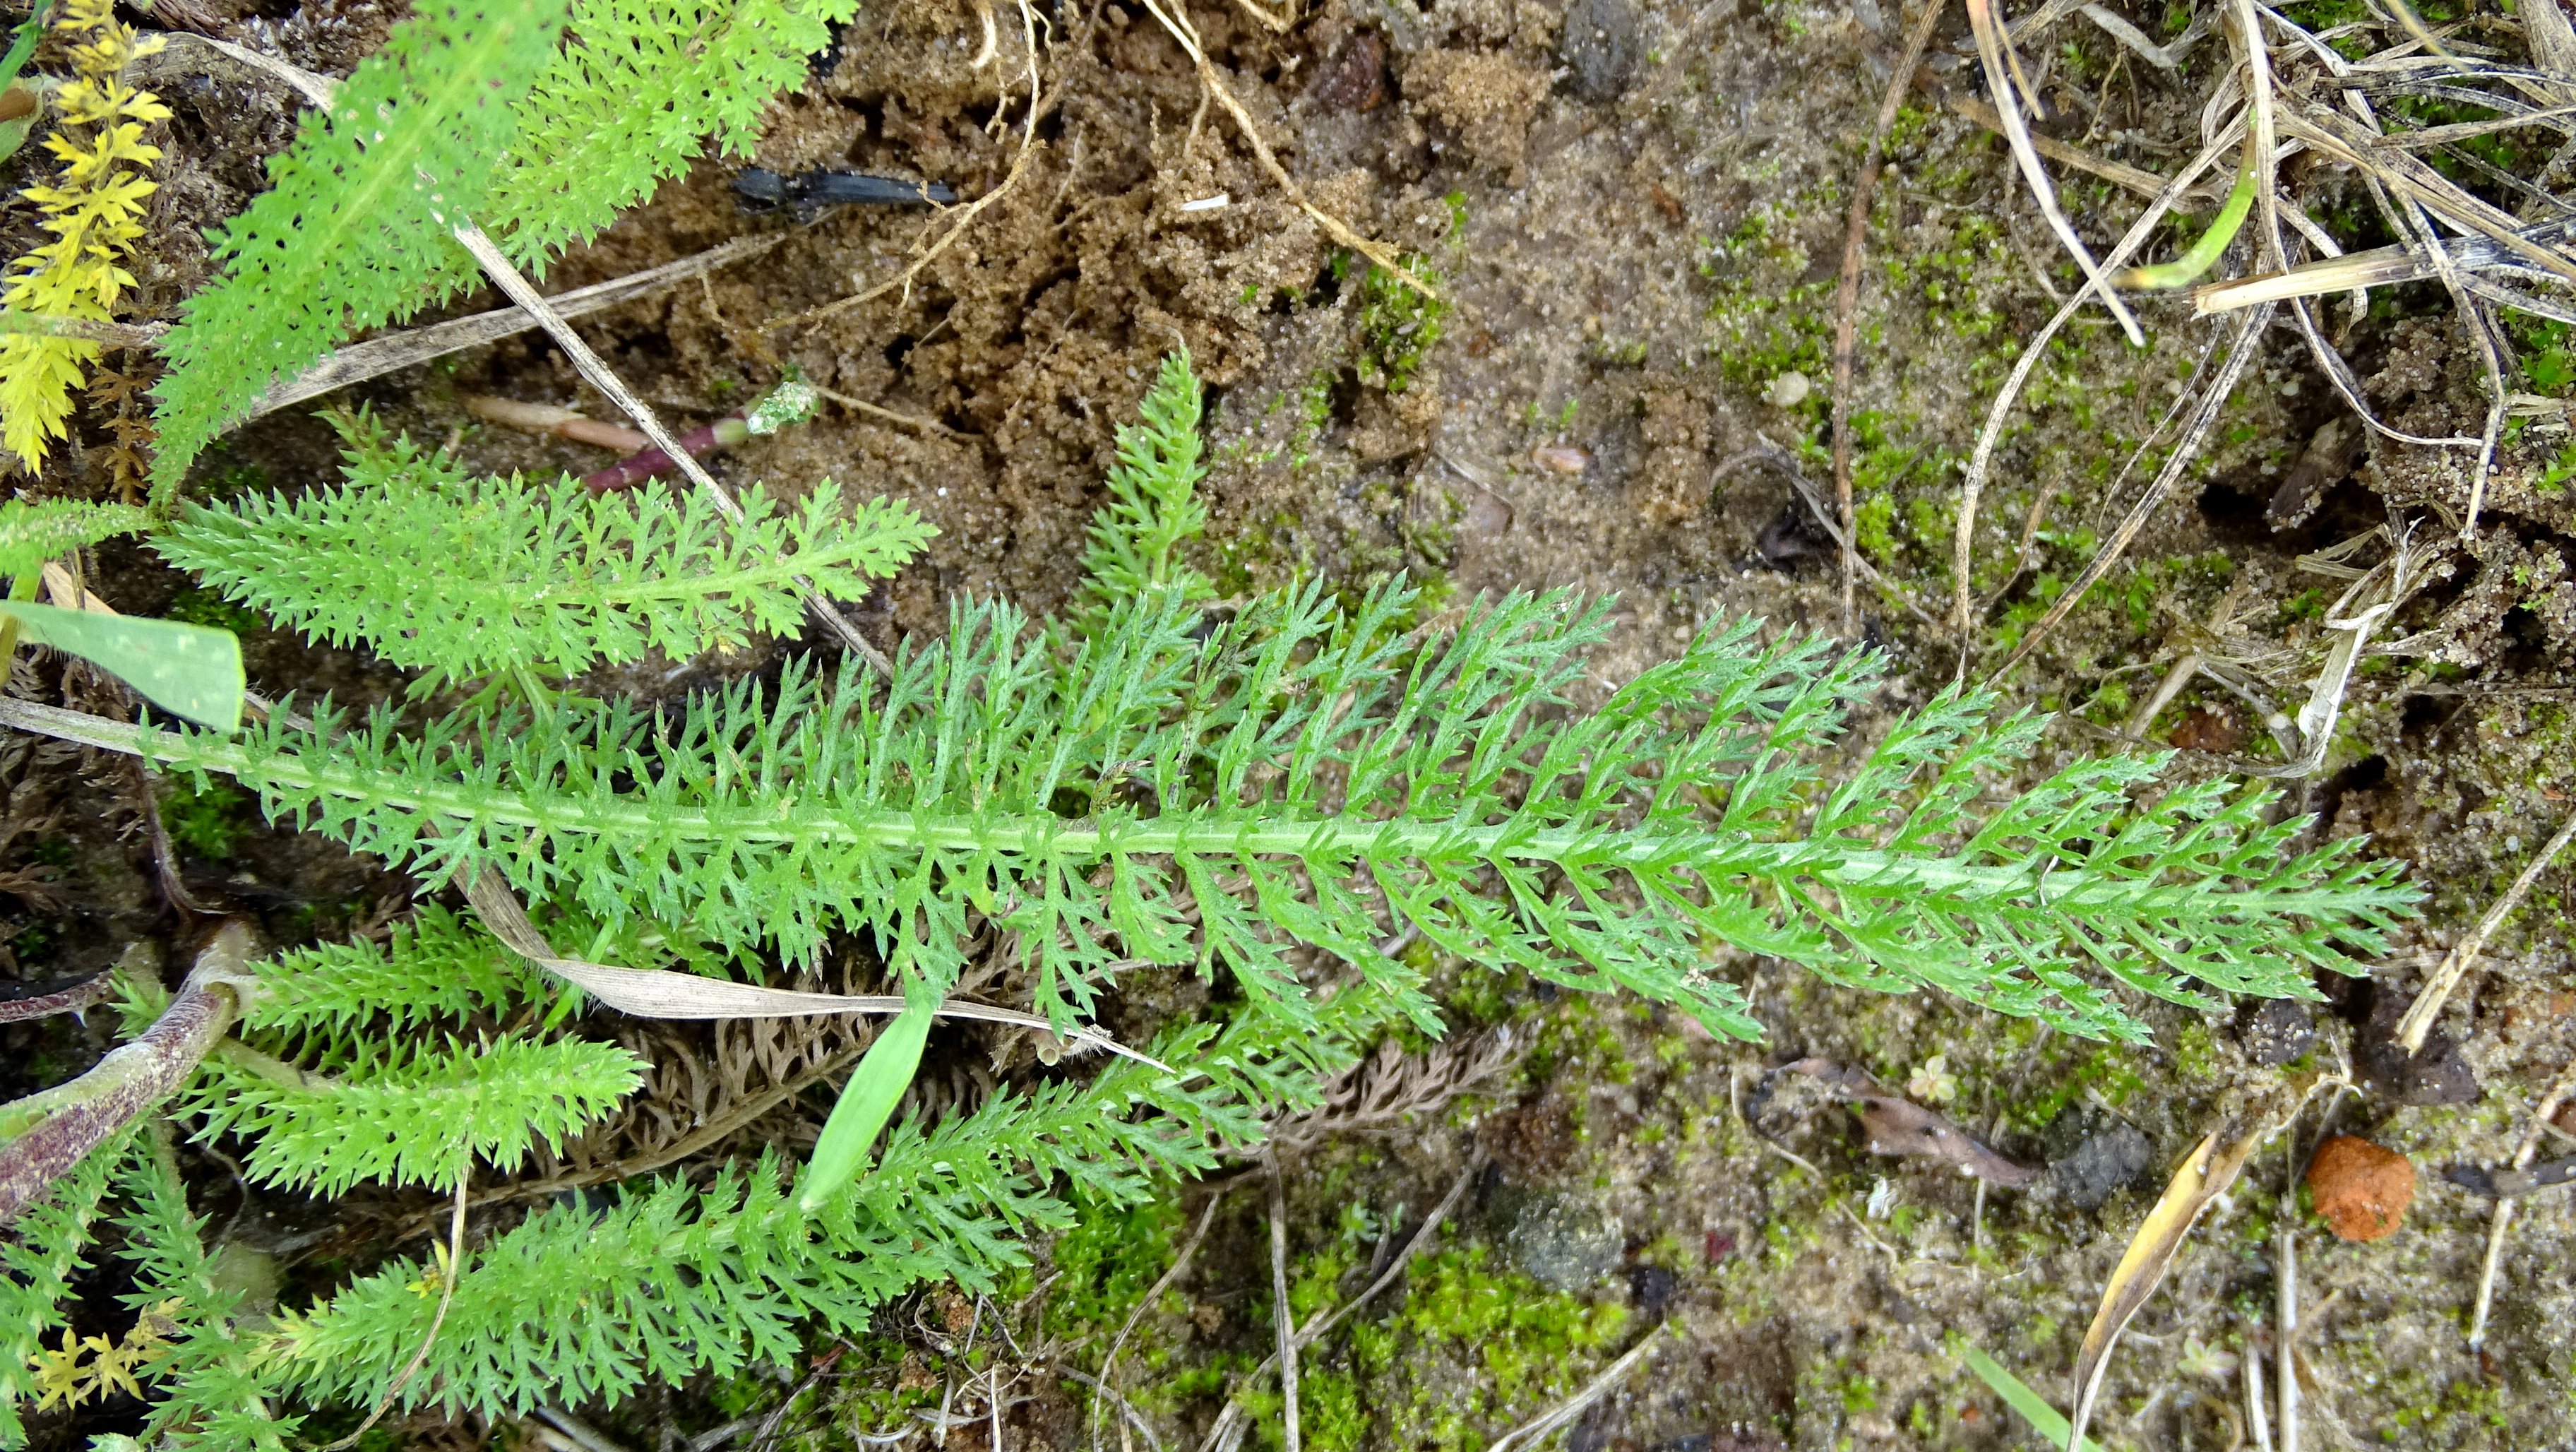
[438,570]
[31,534]
[629,100]
[353,231]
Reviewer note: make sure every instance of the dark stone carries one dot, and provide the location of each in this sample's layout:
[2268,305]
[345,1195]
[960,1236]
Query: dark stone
[1354,80]
[1791,539]
[2437,1075]
[2276,1030]
[1651,1288]
[1562,1244]
[2093,1156]
[1600,48]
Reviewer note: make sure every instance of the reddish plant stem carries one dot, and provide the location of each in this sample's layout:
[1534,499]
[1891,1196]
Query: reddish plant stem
[45,1134]
[628,472]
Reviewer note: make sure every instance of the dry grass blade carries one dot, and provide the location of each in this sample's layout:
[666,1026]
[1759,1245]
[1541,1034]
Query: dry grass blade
[2187,448]
[379,356]
[1990,50]
[2349,142]
[604,378]
[655,993]
[2541,1115]
[2144,183]
[1573,1406]
[1981,458]
[2355,617]
[1283,1320]
[2455,965]
[449,1274]
[1153,1297]
[2206,1173]
[1230,1422]
[1847,291]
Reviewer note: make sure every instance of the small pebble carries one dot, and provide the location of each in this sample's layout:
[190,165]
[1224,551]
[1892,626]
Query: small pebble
[1788,390]
[1561,458]
[1355,80]
[2361,1189]
[1561,1243]
[2208,728]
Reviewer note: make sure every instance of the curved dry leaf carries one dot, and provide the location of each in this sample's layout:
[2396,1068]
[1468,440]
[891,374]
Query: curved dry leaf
[2205,1175]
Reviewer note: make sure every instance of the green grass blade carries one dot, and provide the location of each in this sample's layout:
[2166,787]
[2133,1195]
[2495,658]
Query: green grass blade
[2204,254]
[191,670]
[885,1070]
[2033,1407]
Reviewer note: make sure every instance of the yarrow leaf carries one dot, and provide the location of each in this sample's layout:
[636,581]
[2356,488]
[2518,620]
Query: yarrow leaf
[353,231]
[460,576]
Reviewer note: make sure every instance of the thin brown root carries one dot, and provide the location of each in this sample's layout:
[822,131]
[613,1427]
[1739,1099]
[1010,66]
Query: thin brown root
[1847,293]
[878,410]
[1040,102]
[1178,25]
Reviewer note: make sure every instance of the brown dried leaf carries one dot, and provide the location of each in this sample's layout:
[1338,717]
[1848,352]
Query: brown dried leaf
[2204,1176]
[1899,1126]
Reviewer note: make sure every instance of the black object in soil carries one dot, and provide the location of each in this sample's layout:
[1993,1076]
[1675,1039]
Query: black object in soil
[2434,1075]
[2092,1156]
[2276,1030]
[1600,48]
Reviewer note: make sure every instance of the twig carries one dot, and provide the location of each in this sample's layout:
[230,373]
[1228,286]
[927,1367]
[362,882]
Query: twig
[1847,292]
[2455,965]
[605,379]
[87,330]
[22,1001]
[45,1134]
[2549,1101]
[1573,1406]
[1283,1321]
[453,1272]
[1118,1343]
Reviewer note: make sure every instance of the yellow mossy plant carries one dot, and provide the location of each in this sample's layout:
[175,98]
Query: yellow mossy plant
[94,211]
